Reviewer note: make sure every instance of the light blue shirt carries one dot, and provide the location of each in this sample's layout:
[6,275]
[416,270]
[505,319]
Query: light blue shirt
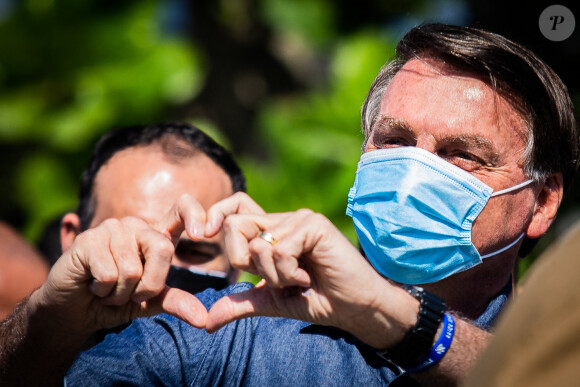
[259,351]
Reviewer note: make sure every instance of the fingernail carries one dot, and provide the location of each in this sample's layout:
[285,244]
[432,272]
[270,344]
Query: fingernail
[197,230]
[213,224]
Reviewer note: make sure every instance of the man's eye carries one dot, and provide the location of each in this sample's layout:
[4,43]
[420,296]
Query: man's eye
[464,160]
[467,162]
[467,156]
[387,142]
[394,141]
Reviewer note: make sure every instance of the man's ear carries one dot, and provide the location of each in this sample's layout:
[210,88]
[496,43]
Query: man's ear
[548,201]
[70,227]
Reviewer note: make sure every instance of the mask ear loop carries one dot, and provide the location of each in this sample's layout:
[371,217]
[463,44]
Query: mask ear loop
[510,189]
[504,248]
[501,192]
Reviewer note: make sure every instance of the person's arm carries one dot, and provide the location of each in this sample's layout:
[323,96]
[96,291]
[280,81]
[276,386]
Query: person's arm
[468,343]
[110,275]
[313,273]
[34,348]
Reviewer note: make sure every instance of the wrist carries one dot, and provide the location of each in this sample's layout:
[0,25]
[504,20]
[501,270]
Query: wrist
[392,310]
[47,313]
[439,349]
[418,341]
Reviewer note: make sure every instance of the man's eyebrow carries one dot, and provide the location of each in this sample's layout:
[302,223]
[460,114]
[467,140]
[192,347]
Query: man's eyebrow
[473,141]
[388,125]
[388,122]
[207,247]
[470,140]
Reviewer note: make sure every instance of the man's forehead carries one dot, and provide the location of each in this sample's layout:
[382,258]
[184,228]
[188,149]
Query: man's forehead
[434,69]
[133,161]
[453,108]
[420,76]
[141,181]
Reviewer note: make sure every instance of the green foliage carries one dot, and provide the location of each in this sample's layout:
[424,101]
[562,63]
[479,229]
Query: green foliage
[44,190]
[69,72]
[311,20]
[314,139]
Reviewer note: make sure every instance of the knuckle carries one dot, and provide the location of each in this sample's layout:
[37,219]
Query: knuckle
[132,272]
[230,222]
[240,196]
[132,221]
[243,262]
[255,245]
[162,248]
[109,276]
[304,212]
[165,247]
[318,218]
[111,223]
[90,234]
[280,252]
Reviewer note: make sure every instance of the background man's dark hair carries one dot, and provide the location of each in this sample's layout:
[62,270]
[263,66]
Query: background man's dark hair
[528,84]
[177,141]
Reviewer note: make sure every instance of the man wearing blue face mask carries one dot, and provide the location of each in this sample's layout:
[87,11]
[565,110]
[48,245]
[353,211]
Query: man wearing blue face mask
[427,208]
[469,142]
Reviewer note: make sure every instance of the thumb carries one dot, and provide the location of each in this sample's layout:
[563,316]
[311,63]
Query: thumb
[180,304]
[256,301]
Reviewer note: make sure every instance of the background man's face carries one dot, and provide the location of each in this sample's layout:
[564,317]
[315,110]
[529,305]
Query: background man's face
[142,182]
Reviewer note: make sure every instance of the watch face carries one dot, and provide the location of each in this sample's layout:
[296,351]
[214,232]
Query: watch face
[191,282]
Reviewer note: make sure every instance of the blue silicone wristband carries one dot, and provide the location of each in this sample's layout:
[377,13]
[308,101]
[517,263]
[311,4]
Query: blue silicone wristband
[439,349]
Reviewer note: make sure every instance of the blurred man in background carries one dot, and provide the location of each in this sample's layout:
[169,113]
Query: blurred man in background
[22,269]
[142,171]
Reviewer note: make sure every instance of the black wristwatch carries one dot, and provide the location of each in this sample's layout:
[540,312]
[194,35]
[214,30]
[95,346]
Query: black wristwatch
[418,341]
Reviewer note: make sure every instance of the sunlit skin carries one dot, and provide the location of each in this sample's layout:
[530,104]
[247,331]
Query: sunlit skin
[22,269]
[123,263]
[462,120]
[142,182]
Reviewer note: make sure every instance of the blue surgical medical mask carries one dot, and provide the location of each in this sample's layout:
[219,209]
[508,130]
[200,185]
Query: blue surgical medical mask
[413,214]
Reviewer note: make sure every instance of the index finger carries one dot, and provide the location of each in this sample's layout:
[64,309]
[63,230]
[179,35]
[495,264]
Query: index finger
[157,252]
[239,230]
[238,203]
[186,214]
[178,303]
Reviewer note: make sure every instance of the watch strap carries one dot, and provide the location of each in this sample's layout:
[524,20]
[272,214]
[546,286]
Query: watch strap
[418,341]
